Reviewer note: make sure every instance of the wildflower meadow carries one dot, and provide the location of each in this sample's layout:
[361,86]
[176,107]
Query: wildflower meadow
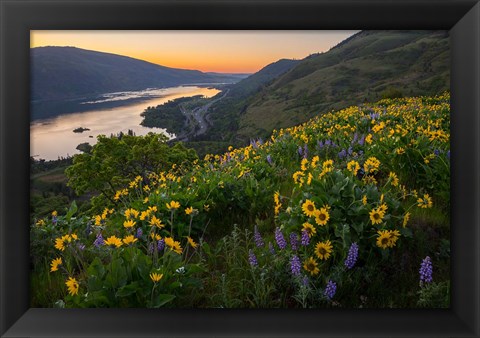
[348,210]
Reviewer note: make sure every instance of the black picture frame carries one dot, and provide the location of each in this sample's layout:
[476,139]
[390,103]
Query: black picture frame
[18,17]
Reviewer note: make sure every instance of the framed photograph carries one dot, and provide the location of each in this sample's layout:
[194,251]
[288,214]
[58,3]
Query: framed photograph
[239,168]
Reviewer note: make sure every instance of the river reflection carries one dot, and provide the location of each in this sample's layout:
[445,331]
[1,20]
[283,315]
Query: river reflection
[53,138]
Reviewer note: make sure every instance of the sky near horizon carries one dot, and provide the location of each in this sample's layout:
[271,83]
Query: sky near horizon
[207,51]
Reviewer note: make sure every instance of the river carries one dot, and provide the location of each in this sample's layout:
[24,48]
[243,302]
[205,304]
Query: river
[54,137]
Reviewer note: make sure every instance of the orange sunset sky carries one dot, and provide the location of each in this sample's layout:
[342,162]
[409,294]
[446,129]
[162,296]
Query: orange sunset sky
[208,51]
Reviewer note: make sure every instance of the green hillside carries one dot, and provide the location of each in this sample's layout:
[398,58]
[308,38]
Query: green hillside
[366,67]
[223,115]
[348,210]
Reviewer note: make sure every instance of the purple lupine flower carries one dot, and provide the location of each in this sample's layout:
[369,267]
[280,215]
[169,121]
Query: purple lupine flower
[352,256]
[342,154]
[54,220]
[269,159]
[448,154]
[330,289]
[305,238]
[436,152]
[350,151]
[294,241]
[271,248]
[355,138]
[300,150]
[98,241]
[328,143]
[161,245]
[426,270]
[295,265]
[151,248]
[305,281]
[305,151]
[362,140]
[81,246]
[139,233]
[258,238]
[319,145]
[252,259]
[282,244]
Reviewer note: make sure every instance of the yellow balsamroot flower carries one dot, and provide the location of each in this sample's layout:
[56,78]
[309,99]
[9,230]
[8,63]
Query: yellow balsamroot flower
[192,242]
[40,223]
[425,202]
[54,213]
[144,215]
[371,165]
[155,277]
[129,224]
[393,179]
[113,241]
[129,240]
[157,237]
[387,238]
[394,235]
[189,210]
[353,167]
[154,221]
[323,249]
[364,199]
[406,217]
[145,200]
[55,263]
[72,286]
[206,207]
[304,164]
[173,205]
[311,266]
[146,188]
[321,216]
[400,151]
[276,197]
[309,228]
[383,207]
[131,213]
[327,166]
[298,177]
[173,245]
[309,179]
[368,179]
[308,208]
[376,215]
[368,139]
[383,239]
[60,244]
[314,162]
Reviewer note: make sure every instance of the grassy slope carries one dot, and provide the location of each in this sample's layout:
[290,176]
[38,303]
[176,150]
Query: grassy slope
[224,115]
[358,70]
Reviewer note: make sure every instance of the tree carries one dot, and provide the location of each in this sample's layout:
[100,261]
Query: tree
[115,161]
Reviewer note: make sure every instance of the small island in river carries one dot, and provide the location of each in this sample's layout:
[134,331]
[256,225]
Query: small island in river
[80,130]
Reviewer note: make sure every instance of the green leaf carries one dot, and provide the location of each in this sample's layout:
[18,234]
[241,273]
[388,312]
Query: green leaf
[358,227]
[96,268]
[73,209]
[162,299]
[128,289]
[117,275]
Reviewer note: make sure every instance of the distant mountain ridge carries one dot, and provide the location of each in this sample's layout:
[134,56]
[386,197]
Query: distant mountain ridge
[367,66]
[62,73]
